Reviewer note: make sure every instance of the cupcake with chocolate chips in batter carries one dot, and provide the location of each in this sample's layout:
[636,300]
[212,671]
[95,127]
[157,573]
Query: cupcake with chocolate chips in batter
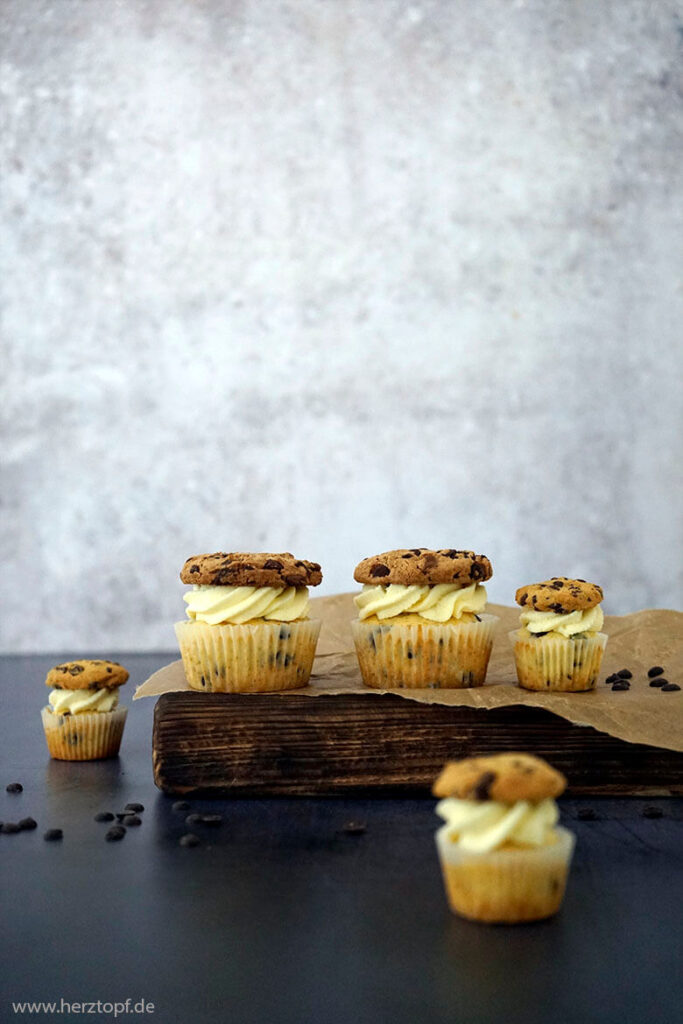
[559,646]
[422,620]
[83,720]
[248,627]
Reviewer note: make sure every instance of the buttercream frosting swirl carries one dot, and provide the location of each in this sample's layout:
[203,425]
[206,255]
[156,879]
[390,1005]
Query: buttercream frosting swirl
[438,603]
[216,605]
[586,620]
[482,825]
[74,702]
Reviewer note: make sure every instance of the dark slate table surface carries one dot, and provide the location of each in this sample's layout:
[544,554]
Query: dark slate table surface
[280,916]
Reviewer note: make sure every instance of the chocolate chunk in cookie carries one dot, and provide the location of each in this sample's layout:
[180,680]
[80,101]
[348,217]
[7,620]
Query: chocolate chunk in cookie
[86,674]
[560,595]
[249,569]
[503,777]
[422,566]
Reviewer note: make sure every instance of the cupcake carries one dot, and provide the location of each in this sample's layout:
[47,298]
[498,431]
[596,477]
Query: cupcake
[421,619]
[504,859]
[247,628]
[559,645]
[83,720]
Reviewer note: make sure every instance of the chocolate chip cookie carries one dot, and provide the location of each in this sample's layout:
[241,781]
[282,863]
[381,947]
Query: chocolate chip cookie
[504,777]
[250,569]
[422,566]
[86,674]
[560,595]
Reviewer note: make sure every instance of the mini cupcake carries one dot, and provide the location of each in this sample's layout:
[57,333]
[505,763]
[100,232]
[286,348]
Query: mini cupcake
[559,645]
[503,857]
[248,629]
[421,619]
[83,720]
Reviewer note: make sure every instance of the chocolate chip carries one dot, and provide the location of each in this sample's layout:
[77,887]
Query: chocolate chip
[194,568]
[113,835]
[193,819]
[9,827]
[131,820]
[378,569]
[354,828]
[15,787]
[670,687]
[53,834]
[523,598]
[656,670]
[272,563]
[75,670]
[104,816]
[621,684]
[612,679]
[28,824]
[135,808]
[587,814]
[476,571]
[212,819]
[652,812]
[482,787]
[189,839]
[659,681]
[624,673]
[179,806]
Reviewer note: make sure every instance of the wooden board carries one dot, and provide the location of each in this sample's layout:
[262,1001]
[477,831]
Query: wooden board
[287,744]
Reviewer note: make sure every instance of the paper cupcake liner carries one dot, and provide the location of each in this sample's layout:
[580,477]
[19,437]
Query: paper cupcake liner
[251,658]
[395,655]
[558,663]
[84,737]
[506,886]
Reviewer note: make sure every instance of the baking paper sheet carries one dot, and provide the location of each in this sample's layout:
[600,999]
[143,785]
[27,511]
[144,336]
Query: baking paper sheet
[642,714]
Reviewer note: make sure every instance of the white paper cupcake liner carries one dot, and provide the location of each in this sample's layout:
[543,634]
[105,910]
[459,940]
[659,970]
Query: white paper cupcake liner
[256,657]
[397,655]
[87,736]
[508,885]
[557,663]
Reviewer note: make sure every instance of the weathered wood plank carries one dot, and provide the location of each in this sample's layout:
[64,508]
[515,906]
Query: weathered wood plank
[284,744]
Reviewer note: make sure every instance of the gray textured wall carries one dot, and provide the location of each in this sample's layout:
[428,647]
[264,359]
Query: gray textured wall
[335,277]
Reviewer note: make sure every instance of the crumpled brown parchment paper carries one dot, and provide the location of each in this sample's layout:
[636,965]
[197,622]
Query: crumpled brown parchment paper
[642,714]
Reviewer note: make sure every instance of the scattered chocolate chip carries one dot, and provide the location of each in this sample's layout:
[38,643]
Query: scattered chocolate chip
[656,670]
[670,687]
[587,814]
[621,684]
[189,839]
[9,827]
[53,834]
[104,816]
[179,806]
[115,833]
[482,787]
[212,819]
[28,824]
[131,820]
[624,673]
[354,828]
[194,819]
[652,812]
[612,679]
[15,787]
[659,681]
[120,815]
[135,808]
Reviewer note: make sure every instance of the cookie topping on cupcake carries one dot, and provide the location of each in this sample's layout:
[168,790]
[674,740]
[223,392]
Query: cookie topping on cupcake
[248,627]
[435,585]
[243,587]
[503,856]
[561,605]
[83,720]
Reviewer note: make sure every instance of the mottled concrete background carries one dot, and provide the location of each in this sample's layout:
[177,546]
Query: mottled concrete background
[335,277]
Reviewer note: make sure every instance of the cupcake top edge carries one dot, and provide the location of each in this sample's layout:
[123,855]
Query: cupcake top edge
[86,674]
[506,778]
[410,566]
[559,594]
[250,569]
